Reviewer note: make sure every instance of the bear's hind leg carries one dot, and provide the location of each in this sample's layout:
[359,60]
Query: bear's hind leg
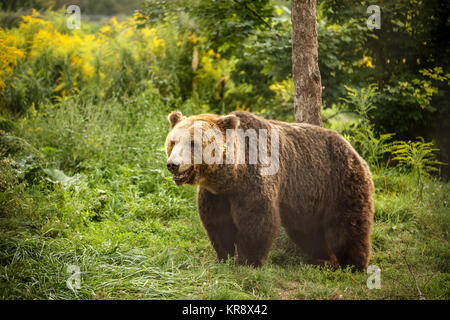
[214,211]
[350,241]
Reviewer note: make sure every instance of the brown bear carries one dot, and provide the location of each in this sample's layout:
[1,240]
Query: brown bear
[320,190]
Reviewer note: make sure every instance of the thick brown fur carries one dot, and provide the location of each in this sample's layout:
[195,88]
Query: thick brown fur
[321,195]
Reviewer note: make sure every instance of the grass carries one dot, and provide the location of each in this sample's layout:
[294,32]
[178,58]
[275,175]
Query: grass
[85,184]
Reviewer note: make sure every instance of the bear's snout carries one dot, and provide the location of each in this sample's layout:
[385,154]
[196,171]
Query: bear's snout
[173,167]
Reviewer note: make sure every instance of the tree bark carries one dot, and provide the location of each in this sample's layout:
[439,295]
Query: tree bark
[305,63]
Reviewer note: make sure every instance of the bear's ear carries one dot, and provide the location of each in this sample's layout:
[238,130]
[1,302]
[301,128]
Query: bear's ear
[175,117]
[228,122]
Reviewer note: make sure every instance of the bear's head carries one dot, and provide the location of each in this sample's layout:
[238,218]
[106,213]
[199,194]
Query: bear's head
[196,145]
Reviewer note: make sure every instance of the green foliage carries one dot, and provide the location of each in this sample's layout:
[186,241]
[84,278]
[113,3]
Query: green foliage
[411,39]
[47,64]
[253,38]
[96,7]
[372,147]
[15,5]
[419,155]
[224,23]
[404,58]
[361,100]
[10,20]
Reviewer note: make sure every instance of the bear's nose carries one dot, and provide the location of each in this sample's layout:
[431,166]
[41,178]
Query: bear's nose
[172,167]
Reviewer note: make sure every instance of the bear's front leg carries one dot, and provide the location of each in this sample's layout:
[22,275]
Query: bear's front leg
[257,223]
[214,211]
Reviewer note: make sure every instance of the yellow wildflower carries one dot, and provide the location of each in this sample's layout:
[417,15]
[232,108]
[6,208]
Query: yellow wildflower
[367,61]
[9,55]
[113,21]
[105,29]
[194,39]
[88,70]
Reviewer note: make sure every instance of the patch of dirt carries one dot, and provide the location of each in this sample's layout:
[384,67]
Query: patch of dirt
[288,289]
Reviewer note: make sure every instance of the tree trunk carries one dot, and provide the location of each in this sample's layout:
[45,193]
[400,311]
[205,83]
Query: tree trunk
[305,63]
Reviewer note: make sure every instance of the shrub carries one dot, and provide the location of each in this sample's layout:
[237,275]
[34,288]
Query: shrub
[419,156]
[373,147]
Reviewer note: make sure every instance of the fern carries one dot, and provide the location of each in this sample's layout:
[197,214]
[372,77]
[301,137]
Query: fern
[361,100]
[372,146]
[419,155]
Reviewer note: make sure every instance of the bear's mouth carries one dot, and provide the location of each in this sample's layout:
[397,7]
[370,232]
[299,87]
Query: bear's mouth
[184,177]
